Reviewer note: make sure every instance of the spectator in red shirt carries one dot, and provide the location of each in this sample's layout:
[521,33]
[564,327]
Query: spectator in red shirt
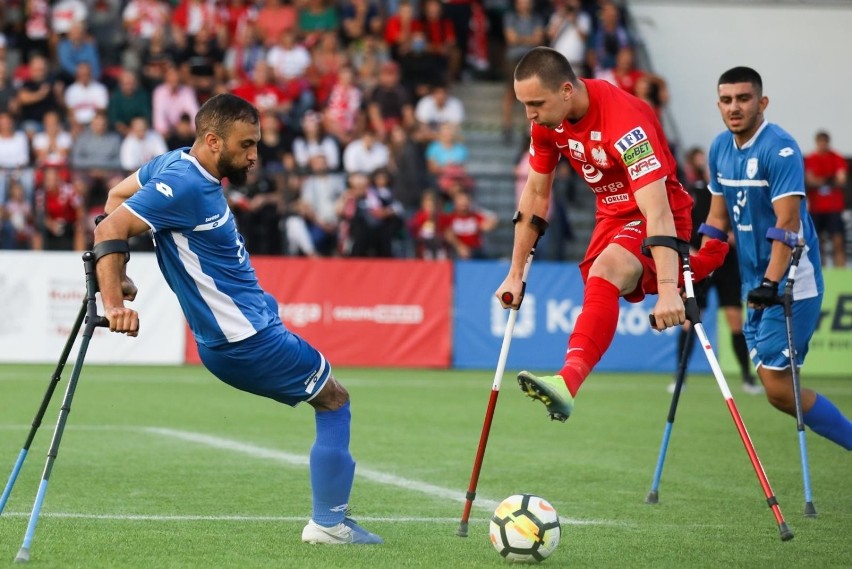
[425,231]
[401,26]
[327,59]
[275,18]
[441,37]
[465,226]
[143,19]
[192,16]
[343,107]
[624,74]
[237,17]
[263,93]
[61,214]
[825,175]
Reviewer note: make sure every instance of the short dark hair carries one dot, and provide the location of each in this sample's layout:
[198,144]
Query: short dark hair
[221,111]
[742,75]
[822,134]
[550,66]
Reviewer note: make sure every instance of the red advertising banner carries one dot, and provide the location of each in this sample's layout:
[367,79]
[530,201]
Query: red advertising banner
[360,312]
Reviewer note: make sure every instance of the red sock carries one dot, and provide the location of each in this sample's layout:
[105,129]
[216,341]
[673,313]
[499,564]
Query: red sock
[592,333]
[707,259]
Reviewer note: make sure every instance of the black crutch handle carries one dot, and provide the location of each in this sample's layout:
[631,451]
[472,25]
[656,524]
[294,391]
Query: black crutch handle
[99,321]
[693,313]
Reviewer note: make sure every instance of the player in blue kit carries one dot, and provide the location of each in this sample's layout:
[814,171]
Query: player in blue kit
[757,179]
[241,340]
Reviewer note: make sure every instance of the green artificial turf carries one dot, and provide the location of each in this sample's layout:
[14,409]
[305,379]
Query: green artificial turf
[165,467]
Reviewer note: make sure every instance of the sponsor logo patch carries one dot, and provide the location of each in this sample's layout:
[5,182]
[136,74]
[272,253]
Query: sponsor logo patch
[636,153]
[611,187]
[632,138]
[785,152]
[591,174]
[615,199]
[644,166]
[575,148]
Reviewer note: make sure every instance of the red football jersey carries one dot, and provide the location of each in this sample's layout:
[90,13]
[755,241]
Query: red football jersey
[467,227]
[618,147]
[828,198]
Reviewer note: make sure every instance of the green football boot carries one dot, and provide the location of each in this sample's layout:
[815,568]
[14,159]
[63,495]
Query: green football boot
[550,390]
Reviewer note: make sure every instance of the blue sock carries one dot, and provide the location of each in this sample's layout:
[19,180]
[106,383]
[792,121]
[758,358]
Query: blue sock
[332,467]
[825,419]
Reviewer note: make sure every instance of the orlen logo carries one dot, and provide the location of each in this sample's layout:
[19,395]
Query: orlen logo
[633,137]
[591,174]
[642,167]
[616,198]
[611,187]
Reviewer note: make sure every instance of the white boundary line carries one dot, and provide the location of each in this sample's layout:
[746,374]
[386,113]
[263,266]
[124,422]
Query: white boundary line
[367,473]
[223,518]
[255,451]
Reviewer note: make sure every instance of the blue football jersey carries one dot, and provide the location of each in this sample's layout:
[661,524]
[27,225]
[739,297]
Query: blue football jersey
[200,252]
[768,167]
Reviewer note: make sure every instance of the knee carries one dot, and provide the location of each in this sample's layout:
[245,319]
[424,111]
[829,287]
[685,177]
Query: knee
[621,272]
[780,398]
[332,397]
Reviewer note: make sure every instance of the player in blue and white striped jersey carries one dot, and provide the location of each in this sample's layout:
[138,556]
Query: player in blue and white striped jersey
[757,180]
[241,340]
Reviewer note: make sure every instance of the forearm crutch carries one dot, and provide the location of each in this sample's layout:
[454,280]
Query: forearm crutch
[682,249]
[540,225]
[92,321]
[653,496]
[792,240]
[48,395]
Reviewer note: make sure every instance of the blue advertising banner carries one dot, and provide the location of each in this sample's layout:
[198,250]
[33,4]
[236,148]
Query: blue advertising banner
[553,299]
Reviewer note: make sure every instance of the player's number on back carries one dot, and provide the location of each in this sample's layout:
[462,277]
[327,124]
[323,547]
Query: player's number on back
[164,189]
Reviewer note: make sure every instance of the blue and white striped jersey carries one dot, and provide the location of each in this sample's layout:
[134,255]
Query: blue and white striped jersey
[200,252]
[768,167]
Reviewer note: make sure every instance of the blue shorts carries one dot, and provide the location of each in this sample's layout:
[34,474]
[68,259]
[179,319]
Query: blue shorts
[766,333]
[273,363]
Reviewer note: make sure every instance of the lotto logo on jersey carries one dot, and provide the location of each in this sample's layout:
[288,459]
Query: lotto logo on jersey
[637,153]
[642,167]
[632,138]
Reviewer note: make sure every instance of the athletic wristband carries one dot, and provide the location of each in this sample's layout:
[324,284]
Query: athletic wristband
[110,247]
[788,238]
[712,232]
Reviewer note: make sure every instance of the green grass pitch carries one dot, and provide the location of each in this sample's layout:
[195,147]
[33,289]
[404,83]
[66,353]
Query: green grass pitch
[165,467]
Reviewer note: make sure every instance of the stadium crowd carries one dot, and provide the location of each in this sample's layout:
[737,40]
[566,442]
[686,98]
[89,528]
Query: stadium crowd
[361,151]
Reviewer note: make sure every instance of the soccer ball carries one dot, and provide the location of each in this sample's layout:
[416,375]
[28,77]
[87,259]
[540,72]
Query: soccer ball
[525,528]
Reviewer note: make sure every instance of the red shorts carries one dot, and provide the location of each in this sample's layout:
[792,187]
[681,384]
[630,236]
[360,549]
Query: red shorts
[630,233]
